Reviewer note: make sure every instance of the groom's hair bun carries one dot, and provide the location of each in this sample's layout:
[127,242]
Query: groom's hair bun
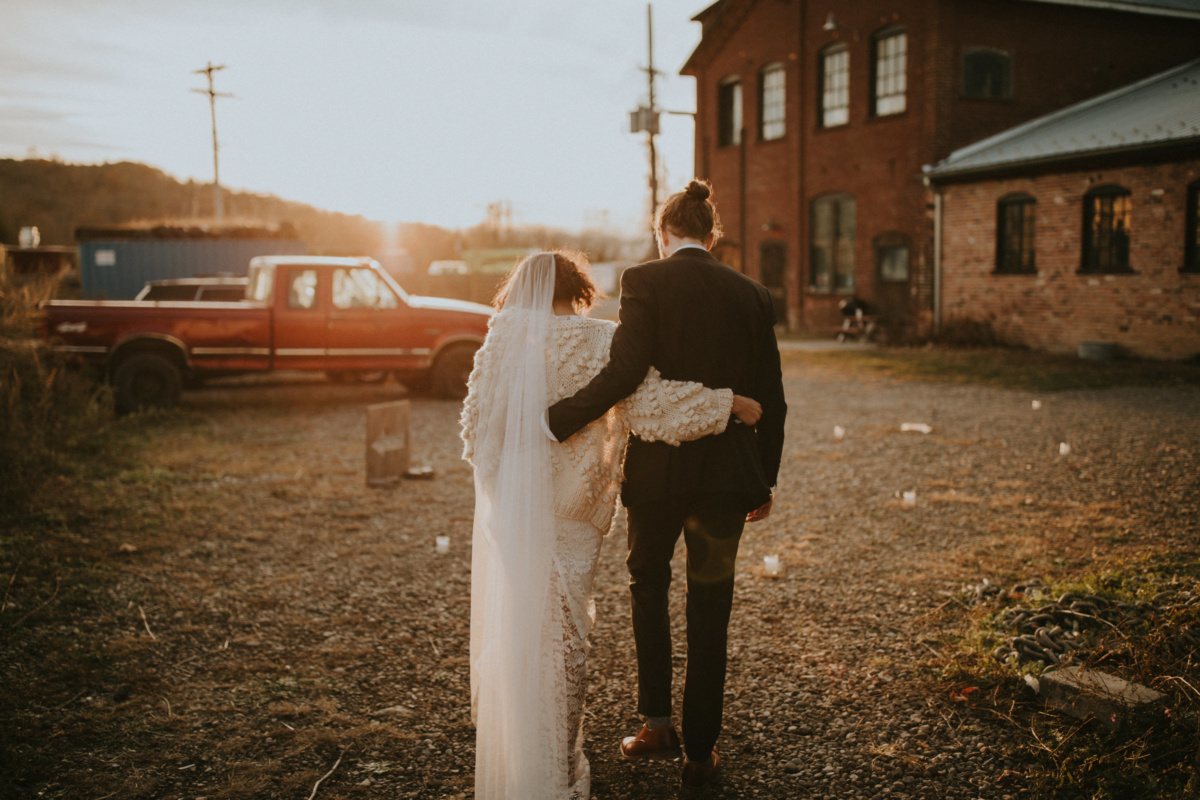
[691,213]
[698,190]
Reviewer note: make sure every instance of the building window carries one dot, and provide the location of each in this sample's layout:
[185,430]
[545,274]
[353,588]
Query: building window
[770,102]
[987,73]
[889,62]
[835,85]
[1106,212]
[1015,235]
[893,261]
[1191,250]
[832,233]
[729,112]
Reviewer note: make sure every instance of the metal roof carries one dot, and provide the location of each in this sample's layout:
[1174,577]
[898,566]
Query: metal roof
[1170,8]
[1162,110]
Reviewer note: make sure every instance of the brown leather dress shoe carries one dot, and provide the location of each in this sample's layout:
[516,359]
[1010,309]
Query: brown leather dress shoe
[699,774]
[662,743]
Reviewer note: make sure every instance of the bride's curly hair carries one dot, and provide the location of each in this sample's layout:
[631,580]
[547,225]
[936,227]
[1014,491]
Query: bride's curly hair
[573,282]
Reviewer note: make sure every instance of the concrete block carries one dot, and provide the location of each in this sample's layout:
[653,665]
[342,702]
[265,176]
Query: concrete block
[1083,692]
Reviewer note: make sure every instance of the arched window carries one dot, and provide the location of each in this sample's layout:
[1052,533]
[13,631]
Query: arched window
[987,73]
[729,111]
[1191,248]
[835,85]
[1106,229]
[831,232]
[889,72]
[771,110]
[1015,229]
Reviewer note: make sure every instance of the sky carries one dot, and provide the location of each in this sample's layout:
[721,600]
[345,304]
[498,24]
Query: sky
[399,110]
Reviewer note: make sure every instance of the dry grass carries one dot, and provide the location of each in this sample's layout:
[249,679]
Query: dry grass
[1000,367]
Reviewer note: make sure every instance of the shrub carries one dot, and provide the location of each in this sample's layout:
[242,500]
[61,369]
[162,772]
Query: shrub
[51,416]
[962,332]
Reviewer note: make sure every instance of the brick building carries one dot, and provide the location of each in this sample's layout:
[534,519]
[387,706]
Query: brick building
[814,121]
[1081,226]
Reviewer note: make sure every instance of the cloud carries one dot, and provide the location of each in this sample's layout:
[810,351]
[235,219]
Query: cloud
[25,126]
[19,65]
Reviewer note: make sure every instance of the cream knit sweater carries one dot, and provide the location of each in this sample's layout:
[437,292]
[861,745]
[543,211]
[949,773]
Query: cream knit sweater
[587,467]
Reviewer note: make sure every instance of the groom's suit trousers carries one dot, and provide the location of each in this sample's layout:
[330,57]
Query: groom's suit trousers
[712,528]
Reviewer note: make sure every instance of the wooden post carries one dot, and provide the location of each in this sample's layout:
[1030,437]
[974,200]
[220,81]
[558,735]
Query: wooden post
[387,442]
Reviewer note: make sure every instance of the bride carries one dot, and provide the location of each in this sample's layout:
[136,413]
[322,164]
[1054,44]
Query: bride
[541,511]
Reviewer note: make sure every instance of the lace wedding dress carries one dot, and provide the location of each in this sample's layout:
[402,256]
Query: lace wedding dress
[531,593]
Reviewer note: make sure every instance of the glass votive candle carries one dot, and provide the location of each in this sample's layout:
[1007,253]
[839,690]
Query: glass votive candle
[443,544]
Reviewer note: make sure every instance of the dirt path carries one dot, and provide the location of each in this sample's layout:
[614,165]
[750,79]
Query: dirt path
[274,615]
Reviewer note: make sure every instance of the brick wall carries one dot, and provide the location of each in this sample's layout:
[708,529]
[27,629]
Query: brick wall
[1062,54]
[1153,312]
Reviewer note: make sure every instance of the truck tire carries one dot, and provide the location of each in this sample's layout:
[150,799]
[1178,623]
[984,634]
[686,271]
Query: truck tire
[451,370]
[146,380]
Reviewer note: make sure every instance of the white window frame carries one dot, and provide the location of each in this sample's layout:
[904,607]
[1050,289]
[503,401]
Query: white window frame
[889,56]
[772,102]
[835,88]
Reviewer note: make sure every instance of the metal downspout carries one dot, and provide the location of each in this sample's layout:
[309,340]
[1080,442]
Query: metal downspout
[937,259]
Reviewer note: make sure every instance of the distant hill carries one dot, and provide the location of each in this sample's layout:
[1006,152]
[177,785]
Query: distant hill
[58,198]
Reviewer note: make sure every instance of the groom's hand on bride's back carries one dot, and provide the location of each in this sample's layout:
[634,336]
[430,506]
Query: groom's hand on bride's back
[746,409]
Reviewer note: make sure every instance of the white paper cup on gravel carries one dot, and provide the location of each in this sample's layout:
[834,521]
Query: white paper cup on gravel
[771,565]
[908,499]
[443,544]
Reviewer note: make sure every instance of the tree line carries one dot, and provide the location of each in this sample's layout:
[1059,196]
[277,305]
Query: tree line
[59,198]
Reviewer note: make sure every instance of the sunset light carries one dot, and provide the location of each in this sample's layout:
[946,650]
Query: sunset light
[405,111]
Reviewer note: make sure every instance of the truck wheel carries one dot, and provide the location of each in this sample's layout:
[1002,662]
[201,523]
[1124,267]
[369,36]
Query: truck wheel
[451,371]
[417,383]
[146,380]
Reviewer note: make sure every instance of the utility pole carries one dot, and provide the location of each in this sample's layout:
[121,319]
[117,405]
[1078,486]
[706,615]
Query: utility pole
[645,119]
[652,129]
[218,209]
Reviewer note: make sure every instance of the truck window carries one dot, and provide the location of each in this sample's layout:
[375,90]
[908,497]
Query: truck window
[302,288]
[361,288]
[262,280]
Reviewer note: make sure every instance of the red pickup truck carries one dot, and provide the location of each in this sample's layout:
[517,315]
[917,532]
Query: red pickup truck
[337,315]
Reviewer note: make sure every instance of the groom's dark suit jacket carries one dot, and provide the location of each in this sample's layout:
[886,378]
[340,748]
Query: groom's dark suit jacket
[695,319]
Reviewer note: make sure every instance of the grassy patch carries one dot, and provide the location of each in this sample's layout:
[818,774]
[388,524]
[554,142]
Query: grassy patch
[1000,367]
[1150,757]
[52,417]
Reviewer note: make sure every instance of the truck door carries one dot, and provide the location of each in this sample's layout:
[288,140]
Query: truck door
[300,319]
[369,326]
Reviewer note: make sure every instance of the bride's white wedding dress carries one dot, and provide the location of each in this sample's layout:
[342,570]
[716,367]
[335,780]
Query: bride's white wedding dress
[531,613]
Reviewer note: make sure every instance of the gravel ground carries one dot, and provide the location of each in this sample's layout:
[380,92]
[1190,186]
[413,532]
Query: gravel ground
[275,618]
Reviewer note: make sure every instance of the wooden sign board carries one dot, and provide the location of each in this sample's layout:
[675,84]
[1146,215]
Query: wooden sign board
[387,442]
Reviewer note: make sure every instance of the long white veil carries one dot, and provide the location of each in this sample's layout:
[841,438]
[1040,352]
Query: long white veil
[519,755]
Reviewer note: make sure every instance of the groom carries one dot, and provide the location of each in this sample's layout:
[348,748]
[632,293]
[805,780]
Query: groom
[695,319]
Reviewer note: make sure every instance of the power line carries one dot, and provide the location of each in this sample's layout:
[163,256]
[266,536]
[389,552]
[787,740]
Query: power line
[218,208]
